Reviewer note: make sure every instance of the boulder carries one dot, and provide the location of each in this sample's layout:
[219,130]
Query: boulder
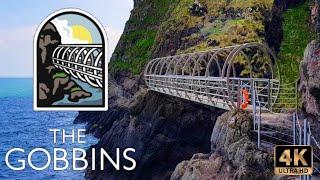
[309,79]
[162,129]
[234,153]
[204,166]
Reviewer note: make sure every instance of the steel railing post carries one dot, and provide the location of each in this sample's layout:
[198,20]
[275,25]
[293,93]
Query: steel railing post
[259,124]
[253,99]
[300,135]
[294,128]
[305,132]
[239,98]
[296,95]
[269,95]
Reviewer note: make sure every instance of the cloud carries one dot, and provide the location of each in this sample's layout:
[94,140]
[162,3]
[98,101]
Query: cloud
[66,32]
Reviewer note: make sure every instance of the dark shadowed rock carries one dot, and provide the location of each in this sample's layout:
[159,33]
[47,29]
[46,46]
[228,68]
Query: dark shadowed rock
[204,166]
[162,129]
[234,153]
[310,78]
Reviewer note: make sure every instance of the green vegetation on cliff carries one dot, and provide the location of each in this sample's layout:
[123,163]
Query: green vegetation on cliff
[138,53]
[297,35]
[140,39]
[165,27]
[228,22]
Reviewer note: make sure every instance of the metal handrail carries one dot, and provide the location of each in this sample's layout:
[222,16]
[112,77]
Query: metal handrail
[204,86]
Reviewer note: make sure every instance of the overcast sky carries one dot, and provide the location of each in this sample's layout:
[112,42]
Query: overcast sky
[20,18]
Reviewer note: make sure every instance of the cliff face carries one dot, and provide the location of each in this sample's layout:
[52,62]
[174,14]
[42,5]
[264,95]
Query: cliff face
[234,154]
[163,131]
[160,28]
[309,75]
[309,70]
[166,130]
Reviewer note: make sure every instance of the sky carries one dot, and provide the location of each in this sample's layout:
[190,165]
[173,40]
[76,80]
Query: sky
[20,19]
[87,30]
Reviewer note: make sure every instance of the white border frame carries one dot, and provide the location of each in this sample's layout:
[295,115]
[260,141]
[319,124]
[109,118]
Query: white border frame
[35,102]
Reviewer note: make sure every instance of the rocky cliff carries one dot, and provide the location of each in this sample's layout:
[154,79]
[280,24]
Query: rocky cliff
[234,154]
[309,69]
[164,130]
[309,87]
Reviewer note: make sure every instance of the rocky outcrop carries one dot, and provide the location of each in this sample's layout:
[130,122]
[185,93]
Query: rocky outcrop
[204,166]
[162,129]
[309,70]
[310,77]
[234,153]
[53,83]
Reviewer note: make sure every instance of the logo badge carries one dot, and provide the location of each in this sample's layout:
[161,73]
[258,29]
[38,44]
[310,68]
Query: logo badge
[70,65]
[293,160]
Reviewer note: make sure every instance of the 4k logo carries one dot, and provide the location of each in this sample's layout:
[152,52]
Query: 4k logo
[293,160]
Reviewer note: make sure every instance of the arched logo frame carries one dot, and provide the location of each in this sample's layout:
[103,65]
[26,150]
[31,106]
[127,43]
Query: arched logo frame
[104,38]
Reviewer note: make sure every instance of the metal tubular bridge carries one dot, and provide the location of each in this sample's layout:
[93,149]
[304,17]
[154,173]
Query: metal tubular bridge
[242,76]
[83,62]
[219,77]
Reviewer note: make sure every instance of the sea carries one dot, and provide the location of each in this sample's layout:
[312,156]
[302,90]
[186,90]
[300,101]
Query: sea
[21,127]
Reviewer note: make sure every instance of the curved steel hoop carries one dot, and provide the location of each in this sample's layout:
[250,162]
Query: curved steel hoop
[215,77]
[83,62]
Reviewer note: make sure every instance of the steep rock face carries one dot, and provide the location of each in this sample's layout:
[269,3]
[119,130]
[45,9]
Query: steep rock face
[235,154]
[309,86]
[310,77]
[309,70]
[225,23]
[135,45]
[163,130]
[204,166]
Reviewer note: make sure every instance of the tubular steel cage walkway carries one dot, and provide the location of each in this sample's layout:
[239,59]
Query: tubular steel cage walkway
[219,77]
[83,62]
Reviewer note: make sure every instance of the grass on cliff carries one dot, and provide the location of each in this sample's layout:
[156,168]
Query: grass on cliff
[138,54]
[297,35]
[224,30]
[139,42]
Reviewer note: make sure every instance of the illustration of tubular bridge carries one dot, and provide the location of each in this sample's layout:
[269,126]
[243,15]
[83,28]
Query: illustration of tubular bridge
[84,62]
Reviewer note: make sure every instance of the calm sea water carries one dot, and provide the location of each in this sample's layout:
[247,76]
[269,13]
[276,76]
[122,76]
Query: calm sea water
[21,127]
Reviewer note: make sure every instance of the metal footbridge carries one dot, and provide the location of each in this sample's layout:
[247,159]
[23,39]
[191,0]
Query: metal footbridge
[237,77]
[225,78]
[84,62]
